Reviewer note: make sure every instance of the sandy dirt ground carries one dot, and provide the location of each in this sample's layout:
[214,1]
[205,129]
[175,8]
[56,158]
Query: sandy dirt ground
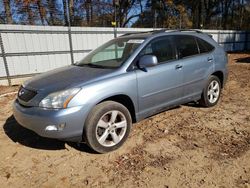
[188,146]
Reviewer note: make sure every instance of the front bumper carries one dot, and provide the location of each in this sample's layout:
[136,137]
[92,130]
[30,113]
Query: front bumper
[37,119]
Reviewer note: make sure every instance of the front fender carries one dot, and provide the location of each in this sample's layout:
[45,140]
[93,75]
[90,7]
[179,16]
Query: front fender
[93,93]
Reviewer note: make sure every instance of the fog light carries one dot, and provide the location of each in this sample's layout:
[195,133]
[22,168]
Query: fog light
[51,128]
[61,126]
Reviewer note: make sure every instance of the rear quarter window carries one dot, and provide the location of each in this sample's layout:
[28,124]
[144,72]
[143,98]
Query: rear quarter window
[204,47]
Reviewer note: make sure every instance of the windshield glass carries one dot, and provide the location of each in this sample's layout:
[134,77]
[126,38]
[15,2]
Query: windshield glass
[111,54]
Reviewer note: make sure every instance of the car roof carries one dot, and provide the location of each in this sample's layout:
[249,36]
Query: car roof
[163,32]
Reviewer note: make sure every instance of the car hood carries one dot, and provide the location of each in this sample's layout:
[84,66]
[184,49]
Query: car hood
[65,77]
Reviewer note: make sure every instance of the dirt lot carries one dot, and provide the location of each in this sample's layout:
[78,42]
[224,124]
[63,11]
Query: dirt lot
[188,146]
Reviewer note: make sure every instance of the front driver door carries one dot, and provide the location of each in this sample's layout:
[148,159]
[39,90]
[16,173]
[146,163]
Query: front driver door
[159,86]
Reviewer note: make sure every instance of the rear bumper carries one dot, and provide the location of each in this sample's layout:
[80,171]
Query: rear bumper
[37,119]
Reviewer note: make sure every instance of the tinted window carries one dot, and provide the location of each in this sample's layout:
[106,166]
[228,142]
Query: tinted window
[186,46]
[162,48]
[204,46]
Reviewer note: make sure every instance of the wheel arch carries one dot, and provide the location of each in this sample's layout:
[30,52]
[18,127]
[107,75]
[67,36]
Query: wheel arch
[220,75]
[126,101]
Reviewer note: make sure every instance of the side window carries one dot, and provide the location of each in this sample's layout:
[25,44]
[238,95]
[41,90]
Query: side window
[162,48]
[204,46]
[186,46]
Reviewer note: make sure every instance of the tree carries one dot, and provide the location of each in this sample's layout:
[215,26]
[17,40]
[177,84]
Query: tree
[208,14]
[66,22]
[42,12]
[7,10]
[127,10]
[225,5]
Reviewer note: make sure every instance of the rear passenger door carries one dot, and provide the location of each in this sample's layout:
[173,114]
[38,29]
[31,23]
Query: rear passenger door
[159,86]
[196,65]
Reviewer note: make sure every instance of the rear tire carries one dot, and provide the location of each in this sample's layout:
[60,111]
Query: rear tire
[211,93]
[107,126]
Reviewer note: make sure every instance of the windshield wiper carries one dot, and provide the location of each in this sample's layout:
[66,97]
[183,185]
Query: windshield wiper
[92,65]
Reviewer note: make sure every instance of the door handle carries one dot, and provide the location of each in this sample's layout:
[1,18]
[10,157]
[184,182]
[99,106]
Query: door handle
[209,59]
[178,66]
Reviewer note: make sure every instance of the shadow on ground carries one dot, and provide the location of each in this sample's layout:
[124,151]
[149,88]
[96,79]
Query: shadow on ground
[28,138]
[193,104]
[243,60]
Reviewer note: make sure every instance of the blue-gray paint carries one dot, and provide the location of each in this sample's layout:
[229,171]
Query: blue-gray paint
[157,88]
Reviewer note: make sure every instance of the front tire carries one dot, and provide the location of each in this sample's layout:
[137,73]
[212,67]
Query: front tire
[107,126]
[211,93]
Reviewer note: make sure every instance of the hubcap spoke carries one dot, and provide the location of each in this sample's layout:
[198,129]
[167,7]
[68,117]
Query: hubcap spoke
[120,124]
[113,116]
[102,124]
[216,85]
[104,136]
[115,137]
[216,94]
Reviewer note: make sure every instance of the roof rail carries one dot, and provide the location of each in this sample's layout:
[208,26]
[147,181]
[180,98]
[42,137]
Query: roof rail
[165,30]
[131,33]
[152,31]
[194,30]
[197,31]
[159,31]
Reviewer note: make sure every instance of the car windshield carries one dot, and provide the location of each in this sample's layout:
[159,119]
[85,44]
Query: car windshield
[112,54]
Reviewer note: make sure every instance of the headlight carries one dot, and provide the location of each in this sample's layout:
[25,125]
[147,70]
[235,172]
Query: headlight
[59,99]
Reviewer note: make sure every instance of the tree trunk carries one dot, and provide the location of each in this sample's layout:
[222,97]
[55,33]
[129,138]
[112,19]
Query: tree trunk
[196,14]
[8,11]
[71,11]
[42,12]
[30,15]
[65,14]
[91,13]
[87,8]
[226,13]
[52,10]
[232,16]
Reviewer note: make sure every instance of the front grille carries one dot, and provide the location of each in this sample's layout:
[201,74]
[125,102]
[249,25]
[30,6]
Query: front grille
[25,94]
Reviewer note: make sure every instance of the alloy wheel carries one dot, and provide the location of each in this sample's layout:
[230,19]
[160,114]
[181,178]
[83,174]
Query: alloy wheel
[213,91]
[111,128]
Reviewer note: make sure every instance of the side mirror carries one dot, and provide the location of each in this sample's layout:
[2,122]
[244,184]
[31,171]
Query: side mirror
[147,61]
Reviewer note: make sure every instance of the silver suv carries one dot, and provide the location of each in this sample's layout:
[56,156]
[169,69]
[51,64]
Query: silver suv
[129,78]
